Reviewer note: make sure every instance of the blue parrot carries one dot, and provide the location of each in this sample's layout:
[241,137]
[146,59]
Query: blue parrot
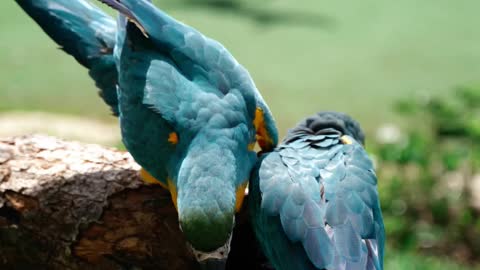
[314,201]
[189,113]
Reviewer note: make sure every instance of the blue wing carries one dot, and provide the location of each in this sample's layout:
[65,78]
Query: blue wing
[185,70]
[83,31]
[315,206]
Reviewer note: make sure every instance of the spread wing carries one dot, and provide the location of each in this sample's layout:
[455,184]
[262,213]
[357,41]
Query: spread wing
[317,205]
[185,71]
[83,31]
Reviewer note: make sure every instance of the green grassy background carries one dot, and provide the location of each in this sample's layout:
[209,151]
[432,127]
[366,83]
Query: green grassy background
[409,261]
[359,60]
[354,56]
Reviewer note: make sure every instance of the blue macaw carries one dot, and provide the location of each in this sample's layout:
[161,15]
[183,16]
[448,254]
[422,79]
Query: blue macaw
[190,114]
[314,201]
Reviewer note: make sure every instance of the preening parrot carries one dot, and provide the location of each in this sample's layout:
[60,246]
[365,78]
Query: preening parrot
[314,200]
[190,114]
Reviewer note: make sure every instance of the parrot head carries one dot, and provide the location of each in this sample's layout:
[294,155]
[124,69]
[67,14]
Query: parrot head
[210,186]
[327,122]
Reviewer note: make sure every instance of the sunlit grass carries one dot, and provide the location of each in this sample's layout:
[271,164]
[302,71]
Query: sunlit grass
[369,54]
[408,261]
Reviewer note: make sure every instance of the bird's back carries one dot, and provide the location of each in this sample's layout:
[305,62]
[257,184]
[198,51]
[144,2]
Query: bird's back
[315,202]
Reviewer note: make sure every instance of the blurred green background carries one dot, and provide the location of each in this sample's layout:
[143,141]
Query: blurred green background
[396,66]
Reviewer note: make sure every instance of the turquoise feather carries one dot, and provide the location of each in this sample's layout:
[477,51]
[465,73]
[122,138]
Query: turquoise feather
[83,31]
[163,77]
[172,74]
[314,201]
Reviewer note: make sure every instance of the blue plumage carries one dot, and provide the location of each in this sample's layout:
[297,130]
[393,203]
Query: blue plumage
[189,113]
[314,202]
[83,31]
[188,84]
[314,199]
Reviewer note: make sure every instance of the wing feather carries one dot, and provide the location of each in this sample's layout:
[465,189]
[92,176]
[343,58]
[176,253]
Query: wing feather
[83,31]
[324,194]
[203,69]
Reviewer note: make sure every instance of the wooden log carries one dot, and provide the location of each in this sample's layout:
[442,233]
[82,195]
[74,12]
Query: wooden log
[67,205]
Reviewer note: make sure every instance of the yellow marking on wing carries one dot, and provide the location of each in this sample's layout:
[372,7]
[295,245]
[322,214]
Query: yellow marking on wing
[173,138]
[251,146]
[264,140]
[173,192]
[138,25]
[346,139]
[240,195]
[148,178]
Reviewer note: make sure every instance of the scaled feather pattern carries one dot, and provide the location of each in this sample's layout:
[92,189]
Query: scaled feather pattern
[314,200]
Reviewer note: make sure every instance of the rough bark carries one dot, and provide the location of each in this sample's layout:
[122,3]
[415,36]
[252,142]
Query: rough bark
[64,205]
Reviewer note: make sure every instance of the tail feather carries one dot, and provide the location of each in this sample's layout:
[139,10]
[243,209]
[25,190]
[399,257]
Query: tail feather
[123,10]
[83,31]
[164,31]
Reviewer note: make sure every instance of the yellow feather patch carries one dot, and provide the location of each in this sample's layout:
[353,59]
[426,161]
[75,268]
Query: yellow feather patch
[346,139]
[240,195]
[170,186]
[264,140]
[173,138]
[148,178]
[138,25]
[173,192]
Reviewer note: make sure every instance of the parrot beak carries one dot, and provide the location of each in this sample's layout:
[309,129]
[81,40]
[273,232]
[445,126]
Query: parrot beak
[213,264]
[214,260]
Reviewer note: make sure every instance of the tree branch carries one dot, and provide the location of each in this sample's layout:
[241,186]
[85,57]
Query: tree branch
[66,205]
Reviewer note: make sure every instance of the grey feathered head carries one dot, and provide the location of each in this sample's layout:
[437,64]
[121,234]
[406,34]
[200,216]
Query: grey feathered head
[327,123]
